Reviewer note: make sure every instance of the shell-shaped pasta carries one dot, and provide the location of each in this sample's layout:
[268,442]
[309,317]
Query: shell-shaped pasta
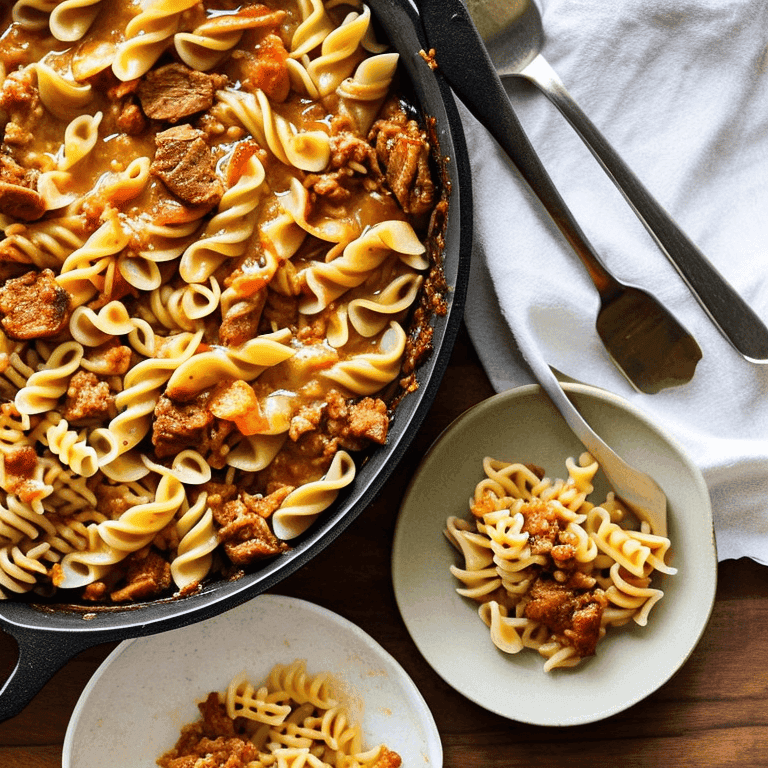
[505,629]
[71,19]
[72,448]
[20,569]
[228,232]
[368,373]
[80,137]
[305,150]
[61,96]
[328,280]
[197,540]
[340,52]
[47,385]
[210,43]
[45,243]
[618,543]
[245,362]
[33,14]
[292,681]
[147,35]
[302,506]
[243,699]
[142,387]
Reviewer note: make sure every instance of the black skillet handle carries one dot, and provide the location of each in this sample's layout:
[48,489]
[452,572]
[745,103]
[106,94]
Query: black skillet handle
[41,654]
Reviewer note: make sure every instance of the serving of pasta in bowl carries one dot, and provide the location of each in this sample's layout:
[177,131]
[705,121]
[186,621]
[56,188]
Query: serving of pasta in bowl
[234,255]
[549,602]
[277,681]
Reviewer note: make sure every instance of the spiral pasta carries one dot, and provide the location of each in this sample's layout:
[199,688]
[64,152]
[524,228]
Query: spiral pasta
[549,570]
[274,727]
[209,277]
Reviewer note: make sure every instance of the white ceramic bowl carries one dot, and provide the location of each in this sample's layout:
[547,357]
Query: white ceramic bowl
[632,661]
[133,708]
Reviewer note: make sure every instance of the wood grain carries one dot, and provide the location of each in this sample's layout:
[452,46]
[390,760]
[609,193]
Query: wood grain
[714,712]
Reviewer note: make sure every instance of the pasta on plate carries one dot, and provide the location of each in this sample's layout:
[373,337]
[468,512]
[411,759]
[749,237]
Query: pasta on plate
[218,218]
[292,718]
[550,570]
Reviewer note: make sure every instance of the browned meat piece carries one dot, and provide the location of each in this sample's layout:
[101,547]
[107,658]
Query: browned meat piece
[147,577]
[131,119]
[388,759]
[241,321]
[113,500]
[210,741]
[185,164]
[88,399]
[34,306]
[190,425]
[266,505]
[572,614]
[175,91]
[180,425]
[357,424]
[111,359]
[403,150]
[18,197]
[245,534]
[282,311]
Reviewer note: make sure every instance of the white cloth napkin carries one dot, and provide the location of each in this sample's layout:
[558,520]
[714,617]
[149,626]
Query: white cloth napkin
[680,88]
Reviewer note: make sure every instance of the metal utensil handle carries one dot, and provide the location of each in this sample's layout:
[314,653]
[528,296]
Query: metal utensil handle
[484,95]
[41,655]
[727,310]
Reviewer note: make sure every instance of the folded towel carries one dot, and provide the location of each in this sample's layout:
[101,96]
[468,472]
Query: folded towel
[680,88]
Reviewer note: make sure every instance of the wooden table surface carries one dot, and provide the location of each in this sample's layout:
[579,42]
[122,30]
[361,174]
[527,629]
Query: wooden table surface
[714,712]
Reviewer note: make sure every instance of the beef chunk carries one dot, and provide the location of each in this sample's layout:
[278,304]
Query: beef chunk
[357,424]
[402,149]
[18,197]
[244,531]
[34,306]
[572,614]
[147,577]
[178,426]
[88,399]
[185,164]
[175,91]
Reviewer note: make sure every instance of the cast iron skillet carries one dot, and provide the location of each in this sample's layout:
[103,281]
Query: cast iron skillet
[48,637]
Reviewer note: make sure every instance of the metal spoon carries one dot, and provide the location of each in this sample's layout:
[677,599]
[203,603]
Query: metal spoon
[644,340]
[513,34]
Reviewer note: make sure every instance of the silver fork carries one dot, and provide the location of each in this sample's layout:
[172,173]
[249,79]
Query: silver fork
[513,35]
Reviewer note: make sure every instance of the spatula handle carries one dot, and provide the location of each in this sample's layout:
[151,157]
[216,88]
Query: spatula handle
[450,30]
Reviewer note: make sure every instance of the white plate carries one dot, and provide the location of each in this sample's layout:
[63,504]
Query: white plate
[133,708]
[631,661]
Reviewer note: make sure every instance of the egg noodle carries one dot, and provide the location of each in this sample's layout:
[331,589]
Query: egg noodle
[218,218]
[550,570]
[291,719]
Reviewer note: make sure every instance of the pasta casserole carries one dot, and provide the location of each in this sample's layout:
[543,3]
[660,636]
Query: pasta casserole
[550,570]
[291,719]
[219,219]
